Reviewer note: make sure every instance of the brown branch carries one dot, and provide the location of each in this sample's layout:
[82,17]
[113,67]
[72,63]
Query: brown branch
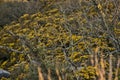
[40,74]
[117,69]
[58,74]
[110,68]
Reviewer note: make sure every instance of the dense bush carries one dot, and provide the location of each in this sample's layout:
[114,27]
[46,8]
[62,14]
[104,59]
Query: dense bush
[64,42]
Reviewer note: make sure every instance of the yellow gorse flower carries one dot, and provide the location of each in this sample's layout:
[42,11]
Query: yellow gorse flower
[100,6]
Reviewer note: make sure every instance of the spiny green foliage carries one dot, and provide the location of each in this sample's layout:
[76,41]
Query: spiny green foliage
[56,38]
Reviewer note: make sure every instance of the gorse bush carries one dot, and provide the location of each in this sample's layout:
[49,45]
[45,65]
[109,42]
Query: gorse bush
[63,41]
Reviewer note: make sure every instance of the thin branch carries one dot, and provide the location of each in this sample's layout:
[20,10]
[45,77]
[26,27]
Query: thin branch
[23,40]
[10,49]
[67,59]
